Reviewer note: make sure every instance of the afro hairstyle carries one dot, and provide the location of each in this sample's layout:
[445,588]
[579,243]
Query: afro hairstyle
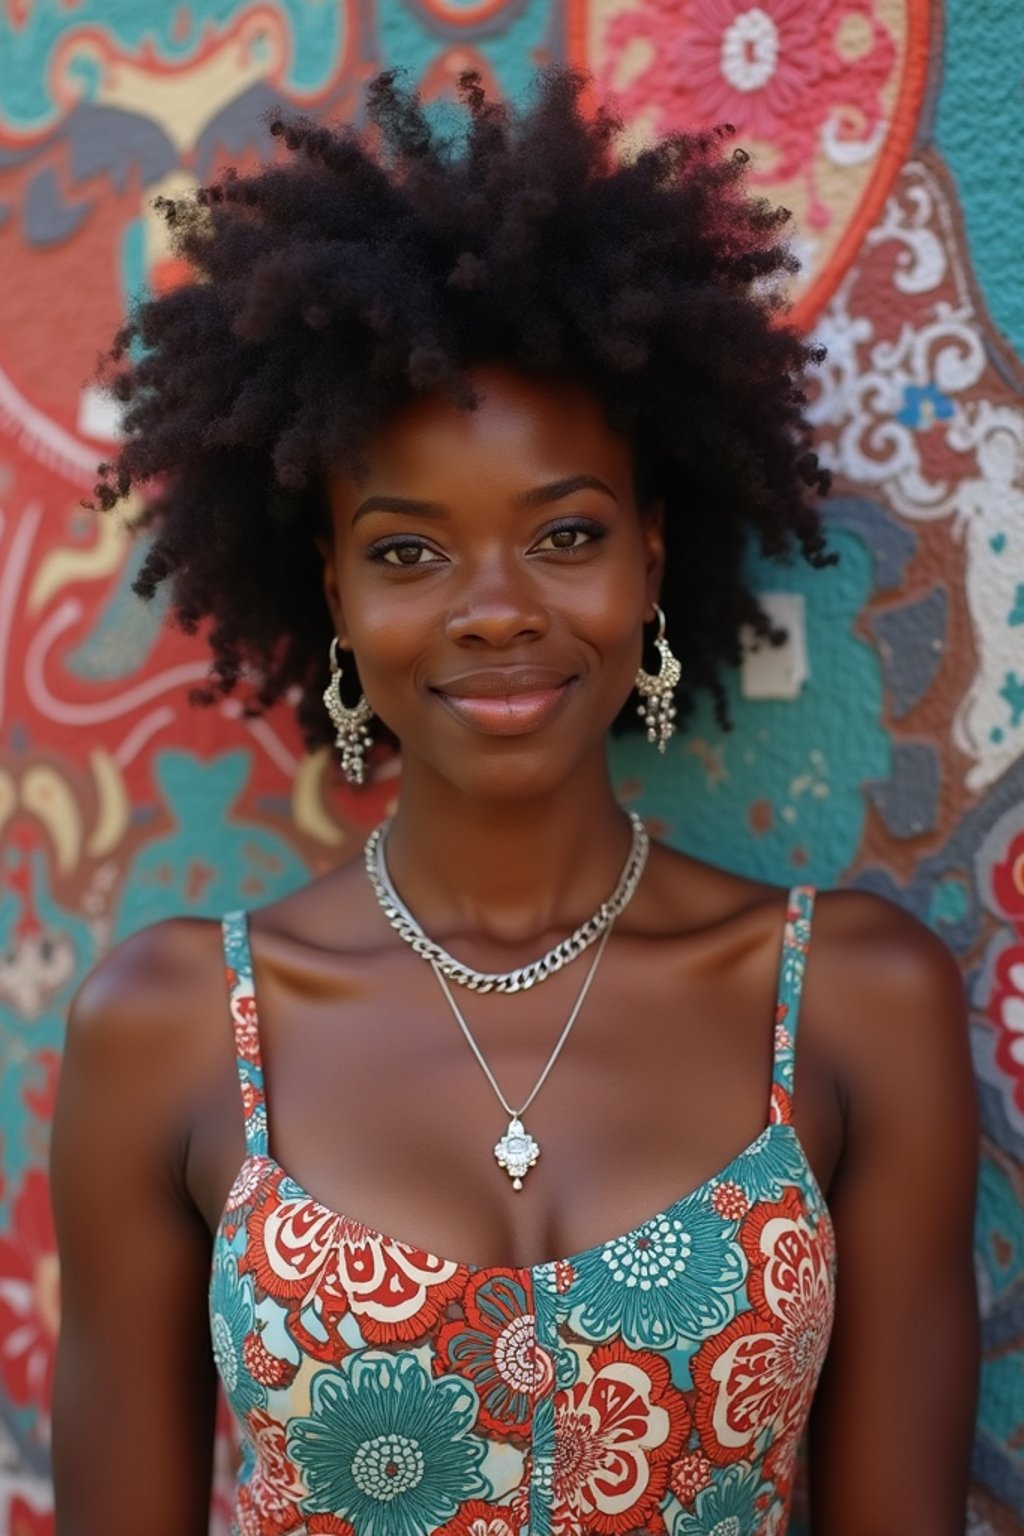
[364,265]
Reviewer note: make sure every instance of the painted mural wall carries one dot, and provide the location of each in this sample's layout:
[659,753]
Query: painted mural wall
[891,758]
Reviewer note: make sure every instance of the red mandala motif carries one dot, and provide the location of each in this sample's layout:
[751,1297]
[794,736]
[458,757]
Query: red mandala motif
[476,1518]
[300,1253]
[690,1475]
[1008,881]
[268,1369]
[729,1200]
[761,1370]
[616,1436]
[1006,1010]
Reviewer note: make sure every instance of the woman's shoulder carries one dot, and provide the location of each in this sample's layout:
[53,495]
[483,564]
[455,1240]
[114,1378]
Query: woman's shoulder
[145,1011]
[884,997]
[880,959]
[862,941]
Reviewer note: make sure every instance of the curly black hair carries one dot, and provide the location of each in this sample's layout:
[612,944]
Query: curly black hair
[334,283]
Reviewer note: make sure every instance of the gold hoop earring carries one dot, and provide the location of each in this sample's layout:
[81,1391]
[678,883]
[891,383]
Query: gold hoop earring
[657,690]
[352,725]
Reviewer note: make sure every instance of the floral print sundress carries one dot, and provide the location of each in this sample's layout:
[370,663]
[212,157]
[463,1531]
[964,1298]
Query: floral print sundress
[655,1382]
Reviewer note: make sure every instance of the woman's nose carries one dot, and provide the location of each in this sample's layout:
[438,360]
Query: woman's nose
[497,608]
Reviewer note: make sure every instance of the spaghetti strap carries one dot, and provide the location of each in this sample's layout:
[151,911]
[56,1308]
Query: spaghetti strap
[796,939]
[245,1019]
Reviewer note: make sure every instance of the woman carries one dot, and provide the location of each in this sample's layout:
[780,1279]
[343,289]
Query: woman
[439,429]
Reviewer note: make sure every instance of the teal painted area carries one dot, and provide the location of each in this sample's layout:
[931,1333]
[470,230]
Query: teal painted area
[793,768]
[979,127]
[404,39]
[195,871]
[315,32]
[210,862]
[999,1403]
[950,902]
[1013,692]
[999,1235]
[133,262]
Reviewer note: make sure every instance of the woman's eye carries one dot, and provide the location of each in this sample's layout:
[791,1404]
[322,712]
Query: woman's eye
[407,554]
[571,536]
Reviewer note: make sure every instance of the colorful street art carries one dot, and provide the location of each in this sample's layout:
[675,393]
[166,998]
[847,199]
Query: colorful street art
[899,765]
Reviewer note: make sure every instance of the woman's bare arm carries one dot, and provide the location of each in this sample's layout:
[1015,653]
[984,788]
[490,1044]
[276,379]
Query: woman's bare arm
[892,1426]
[135,1387]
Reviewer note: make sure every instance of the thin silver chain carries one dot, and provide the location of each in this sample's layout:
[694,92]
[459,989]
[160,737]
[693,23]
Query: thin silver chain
[516,1114]
[526,976]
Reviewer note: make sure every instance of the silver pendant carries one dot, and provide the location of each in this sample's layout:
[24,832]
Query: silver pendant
[516,1152]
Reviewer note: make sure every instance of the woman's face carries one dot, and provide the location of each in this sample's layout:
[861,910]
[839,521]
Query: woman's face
[491,577]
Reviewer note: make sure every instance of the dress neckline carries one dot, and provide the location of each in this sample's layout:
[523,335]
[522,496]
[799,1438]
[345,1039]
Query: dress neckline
[245,1015]
[437,1261]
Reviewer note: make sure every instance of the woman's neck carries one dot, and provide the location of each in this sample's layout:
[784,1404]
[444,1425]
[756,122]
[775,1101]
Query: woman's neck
[506,870]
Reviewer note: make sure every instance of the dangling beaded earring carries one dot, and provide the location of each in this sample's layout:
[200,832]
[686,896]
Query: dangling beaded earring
[352,725]
[657,690]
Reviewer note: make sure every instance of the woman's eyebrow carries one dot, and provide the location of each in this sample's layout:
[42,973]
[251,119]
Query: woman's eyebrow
[405,505]
[539,496]
[560,488]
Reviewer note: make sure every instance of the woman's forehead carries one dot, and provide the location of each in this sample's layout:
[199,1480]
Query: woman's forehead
[522,426]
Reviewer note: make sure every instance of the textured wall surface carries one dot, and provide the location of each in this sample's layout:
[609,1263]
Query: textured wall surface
[894,130]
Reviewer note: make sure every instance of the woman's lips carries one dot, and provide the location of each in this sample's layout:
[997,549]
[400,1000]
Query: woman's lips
[514,712]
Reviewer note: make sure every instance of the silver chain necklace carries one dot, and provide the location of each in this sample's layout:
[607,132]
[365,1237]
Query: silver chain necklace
[526,976]
[517,1151]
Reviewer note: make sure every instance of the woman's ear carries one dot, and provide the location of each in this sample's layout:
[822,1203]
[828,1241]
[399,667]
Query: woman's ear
[653,517]
[325,548]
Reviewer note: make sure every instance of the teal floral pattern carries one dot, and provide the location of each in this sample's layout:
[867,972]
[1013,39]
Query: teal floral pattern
[673,1278]
[231,1320]
[387,1447]
[728,1507]
[656,1382]
[770,1164]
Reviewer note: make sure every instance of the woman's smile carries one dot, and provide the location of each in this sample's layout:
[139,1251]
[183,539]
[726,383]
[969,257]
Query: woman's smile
[506,701]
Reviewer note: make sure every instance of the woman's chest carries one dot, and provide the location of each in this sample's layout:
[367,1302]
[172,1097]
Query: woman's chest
[378,1105]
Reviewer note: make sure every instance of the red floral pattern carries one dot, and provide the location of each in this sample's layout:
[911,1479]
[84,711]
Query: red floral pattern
[616,1435]
[759,1373]
[1008,881]
[730,1200]
[268,1500]
[299,1252]
[476,1518]
[493,1401]
[495,1346]
[775,70]
[1006,1010]
[690,1475]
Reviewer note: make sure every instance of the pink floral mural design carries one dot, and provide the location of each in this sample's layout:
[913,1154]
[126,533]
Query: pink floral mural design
[790,74]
